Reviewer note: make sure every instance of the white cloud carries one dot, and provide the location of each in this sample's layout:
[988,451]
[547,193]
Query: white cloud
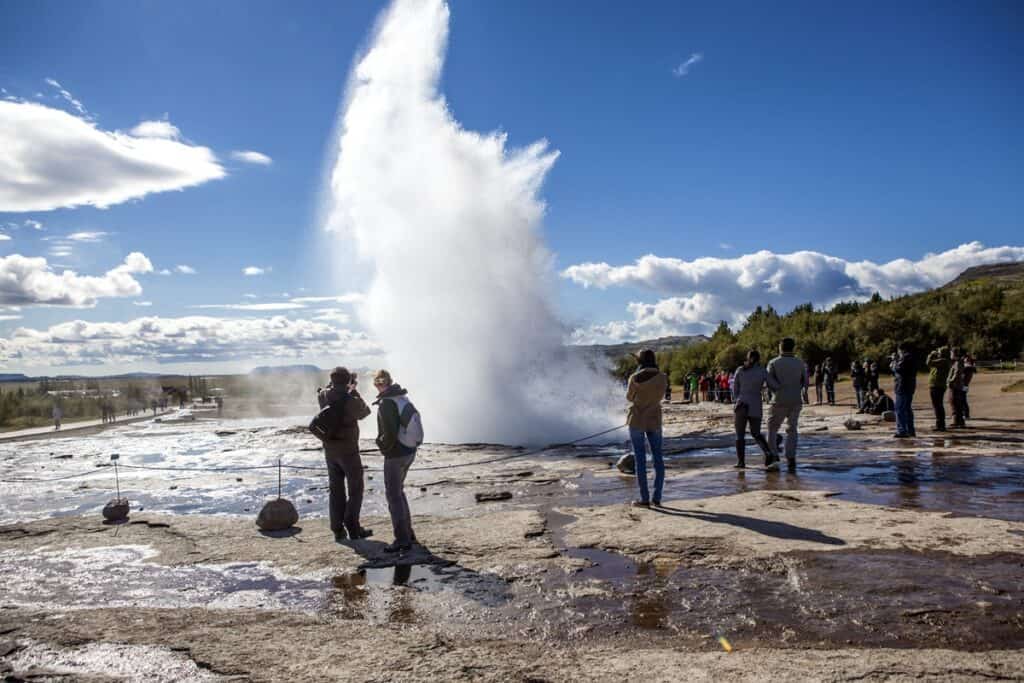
[704,291]
[725,245]
[282,306]
[87,236]
[61,250]
[31,281]
[163,130]
[68,97]
[10,317]
[53,159]
[251,157]
[4,238]
[348,298]
[255,270]
[142,303]
[181,340]
[185,270]
[335,315]
[684,68]
[35,225]
[165,271]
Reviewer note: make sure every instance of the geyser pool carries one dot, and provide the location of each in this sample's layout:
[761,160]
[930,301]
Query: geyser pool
[462,291]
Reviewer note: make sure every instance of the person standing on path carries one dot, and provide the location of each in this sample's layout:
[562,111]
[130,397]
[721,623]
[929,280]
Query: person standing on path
[938,362]
[969,371]
[57,415]
[341,450]
[831,375]
[904,370]
[858,377]
[957,382]
[644,391]
[747,411]
[392,407]
[819,380]
[786,378]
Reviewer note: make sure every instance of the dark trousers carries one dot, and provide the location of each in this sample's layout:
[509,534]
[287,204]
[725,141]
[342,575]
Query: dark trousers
[345,471]
[817,393]
[743,422]
[958,397]
[938,394]
[830,389]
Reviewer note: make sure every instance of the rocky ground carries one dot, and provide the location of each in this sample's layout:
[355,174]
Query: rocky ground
[874,560]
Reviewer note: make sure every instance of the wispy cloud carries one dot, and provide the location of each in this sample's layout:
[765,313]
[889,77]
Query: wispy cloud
[683,69]
[87,236]
[4,237]
[348,298]
[250,157]
[280,306]
[35,225]
[725,245]
[69,98]
[184,270]
[252,271]
[142,303]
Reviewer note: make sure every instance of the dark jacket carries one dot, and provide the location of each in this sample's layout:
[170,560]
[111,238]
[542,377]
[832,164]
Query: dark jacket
[354,409]
[858,376]
[939,363]
[904,370]
[644,392]
[881,404]
[831,374]
[388,424]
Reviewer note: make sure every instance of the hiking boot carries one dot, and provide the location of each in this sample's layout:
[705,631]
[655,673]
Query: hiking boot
[340,536]
[640,504]
[791,464]
[397,547]
[362,532]
[772,466]
[741,454]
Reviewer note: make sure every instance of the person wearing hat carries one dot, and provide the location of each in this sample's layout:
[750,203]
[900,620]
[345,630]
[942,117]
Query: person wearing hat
[344,466]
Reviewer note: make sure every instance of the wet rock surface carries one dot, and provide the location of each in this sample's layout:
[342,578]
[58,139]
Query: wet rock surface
[874,560]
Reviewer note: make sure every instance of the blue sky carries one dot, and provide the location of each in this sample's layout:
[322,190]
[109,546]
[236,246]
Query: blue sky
[867,132]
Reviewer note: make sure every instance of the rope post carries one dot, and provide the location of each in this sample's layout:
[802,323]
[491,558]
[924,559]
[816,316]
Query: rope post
[116,511]
[279,478]
[117,479]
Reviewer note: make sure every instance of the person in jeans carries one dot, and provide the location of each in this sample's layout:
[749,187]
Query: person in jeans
[747,383]
[904,370]
[786,377]
[831,375]
[344,466]
[858,377]
[938,362]
[644,392]
[397,459]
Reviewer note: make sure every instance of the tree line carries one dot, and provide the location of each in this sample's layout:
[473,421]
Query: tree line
[984,316]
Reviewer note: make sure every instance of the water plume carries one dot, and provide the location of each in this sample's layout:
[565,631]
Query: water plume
[462,287]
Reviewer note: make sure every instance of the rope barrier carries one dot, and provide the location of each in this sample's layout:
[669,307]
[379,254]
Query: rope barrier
[322,468]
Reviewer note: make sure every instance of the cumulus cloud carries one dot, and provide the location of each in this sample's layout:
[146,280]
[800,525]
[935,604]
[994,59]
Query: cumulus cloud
[54,159]
[181,340]
[253,271]
[684,68]
[184,270]
[3,237]
[250,157]
[164,130]
[704,291]
[31,281]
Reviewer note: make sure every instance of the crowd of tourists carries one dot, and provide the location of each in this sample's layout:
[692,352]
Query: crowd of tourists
[783,385]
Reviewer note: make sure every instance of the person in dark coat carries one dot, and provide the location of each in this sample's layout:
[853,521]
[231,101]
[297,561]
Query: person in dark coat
[956,380]
[858,377]
[904,370]
[831,375]
[344,466]
[938,362]
[819,380]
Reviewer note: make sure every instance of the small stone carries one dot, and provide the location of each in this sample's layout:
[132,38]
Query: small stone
[116,510]
[852,424]
[423,489]
[173,487]
[238,479]
[492,496]
[889,416]
[277,515]
[626,464]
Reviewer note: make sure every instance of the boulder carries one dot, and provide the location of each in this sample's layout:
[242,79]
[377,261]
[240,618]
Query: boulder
[626,464]
[116,510]
[852,424]
[889,416]
[277,515]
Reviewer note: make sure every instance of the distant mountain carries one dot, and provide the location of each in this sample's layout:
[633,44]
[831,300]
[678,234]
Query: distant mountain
[660,344]
[1007,272]
[14,378]
[264,370]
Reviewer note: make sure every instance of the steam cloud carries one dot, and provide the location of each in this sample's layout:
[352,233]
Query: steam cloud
[462,288]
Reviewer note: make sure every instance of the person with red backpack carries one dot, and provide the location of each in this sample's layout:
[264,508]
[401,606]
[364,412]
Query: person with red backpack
[399,434]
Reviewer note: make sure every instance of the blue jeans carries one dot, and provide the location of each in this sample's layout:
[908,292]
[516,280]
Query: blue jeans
[640,461]
[905,414]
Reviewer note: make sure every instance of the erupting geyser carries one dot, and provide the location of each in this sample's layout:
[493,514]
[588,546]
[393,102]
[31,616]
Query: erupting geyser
[462,292]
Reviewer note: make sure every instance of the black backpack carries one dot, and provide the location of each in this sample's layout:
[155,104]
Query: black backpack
[326,424]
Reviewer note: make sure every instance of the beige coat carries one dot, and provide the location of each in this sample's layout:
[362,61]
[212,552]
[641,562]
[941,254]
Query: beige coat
[645,392]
